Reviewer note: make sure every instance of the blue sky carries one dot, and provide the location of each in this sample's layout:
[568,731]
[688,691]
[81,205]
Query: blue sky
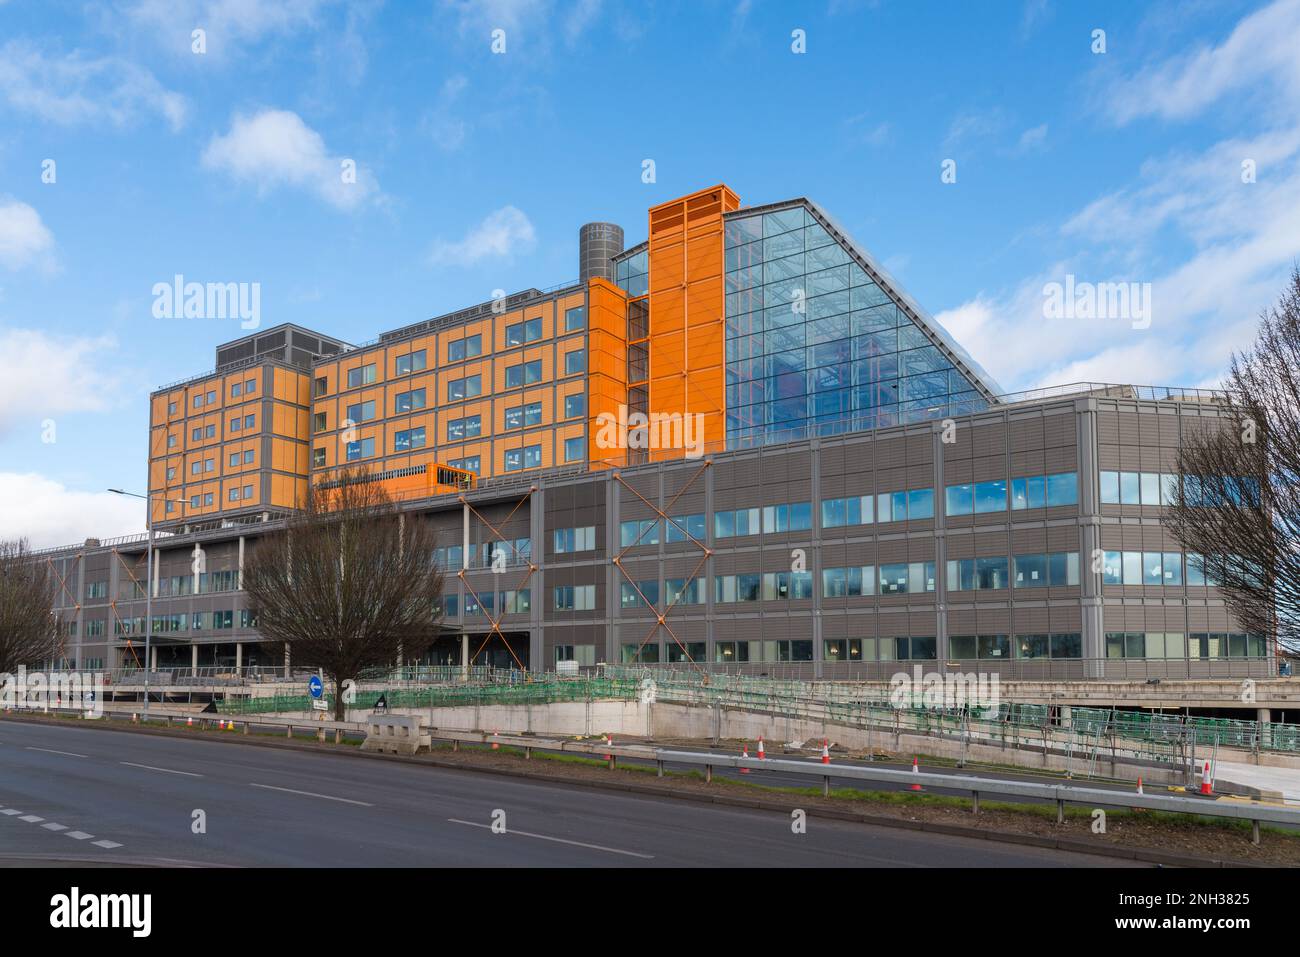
[476,168]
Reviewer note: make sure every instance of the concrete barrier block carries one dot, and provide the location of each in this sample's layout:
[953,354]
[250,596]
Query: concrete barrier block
[395,733]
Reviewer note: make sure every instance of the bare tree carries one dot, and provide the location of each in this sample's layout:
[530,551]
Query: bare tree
[1239,502]
[349,584]
[30,633]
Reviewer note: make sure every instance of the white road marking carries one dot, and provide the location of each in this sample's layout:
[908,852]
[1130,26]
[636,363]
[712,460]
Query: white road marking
[31,819]
[79,835]
[327,797]
[68,754]
[150,767]
[558,840]
[107,845]
[55,827]
[11,812]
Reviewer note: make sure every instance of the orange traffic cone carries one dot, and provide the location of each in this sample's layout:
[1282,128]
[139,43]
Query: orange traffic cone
[496,746]
[916,769]
[1140,785]
[1207,787]
[189,722]
[826,752]
[744,753]
[762,755]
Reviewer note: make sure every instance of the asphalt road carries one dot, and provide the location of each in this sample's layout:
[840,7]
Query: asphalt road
[114,797]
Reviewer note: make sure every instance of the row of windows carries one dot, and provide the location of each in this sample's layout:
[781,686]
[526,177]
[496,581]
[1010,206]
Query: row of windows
[1161,488]
[1042,570]
[202,399]
[1155,568]
[515,417]
[1038,491]
[195,621]
[209,582]
[485,554]
[969,647]
[1198,645]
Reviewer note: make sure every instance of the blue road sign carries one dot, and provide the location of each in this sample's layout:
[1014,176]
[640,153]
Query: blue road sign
[315,687]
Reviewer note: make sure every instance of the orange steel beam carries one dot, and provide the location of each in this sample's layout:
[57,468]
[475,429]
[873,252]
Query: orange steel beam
[495,624]
[661,619]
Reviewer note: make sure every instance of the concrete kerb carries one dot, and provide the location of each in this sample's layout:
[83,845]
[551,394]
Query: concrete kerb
[1145,855]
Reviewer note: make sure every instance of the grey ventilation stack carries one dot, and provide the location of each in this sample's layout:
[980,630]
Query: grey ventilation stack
[598,244]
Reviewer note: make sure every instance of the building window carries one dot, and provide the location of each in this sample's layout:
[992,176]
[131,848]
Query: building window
[171,472]
[524,415]
[409,401]
[909,578]
[318,458]
[467,348]
[839,512]
[575,405]
[236,390]
[465,388]
[1053,569]
[575,539]
[744,521]
[1138,488]
[525,373]
[852,582]
[320,386]
[414,362]
[248,456]
[408,439]
[363,375]
[318,422]
[521,332]
[207,498]
[234,425]
[1045,491]
[250,421]
[467,428]
[683,528]
[361,411]
[529,457]
[974,574]
[575,361]
[643,532]
[795,517]
[234,494]
[576,448]
[363,449]
[250,387]
[575,319]
[234,460]
[469,464]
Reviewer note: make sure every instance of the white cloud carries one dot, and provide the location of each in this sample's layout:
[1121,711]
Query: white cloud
[73,88]
[1257,60]
[42,376]
[227,23]
[1032,138]
[24,239]
[276,148]
[529,24]
[47,513]
[448,129]
[501,234]
[1216,249]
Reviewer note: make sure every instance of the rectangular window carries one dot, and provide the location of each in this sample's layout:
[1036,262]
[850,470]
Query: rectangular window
[363,449]
[236,390]
[525,373]
[521,332]
[363,375]
[682,528]
[466,348]
[575,361]
[318,458]
[469,464]
[795,517]
[250,421]
[1109,488]
[520,416]
[959,500]
[414,362]
[576,448]
[575,319]
[743,521]
[529,457]
[839,512]
[643,532]
[467,428]
[990,496]
[575,539]
[234,425]
[408,439]
[320,386]
[1062,489]
[409,401]
[318,422]
[234,460]
[575,405]
[361,411]
[465,388]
